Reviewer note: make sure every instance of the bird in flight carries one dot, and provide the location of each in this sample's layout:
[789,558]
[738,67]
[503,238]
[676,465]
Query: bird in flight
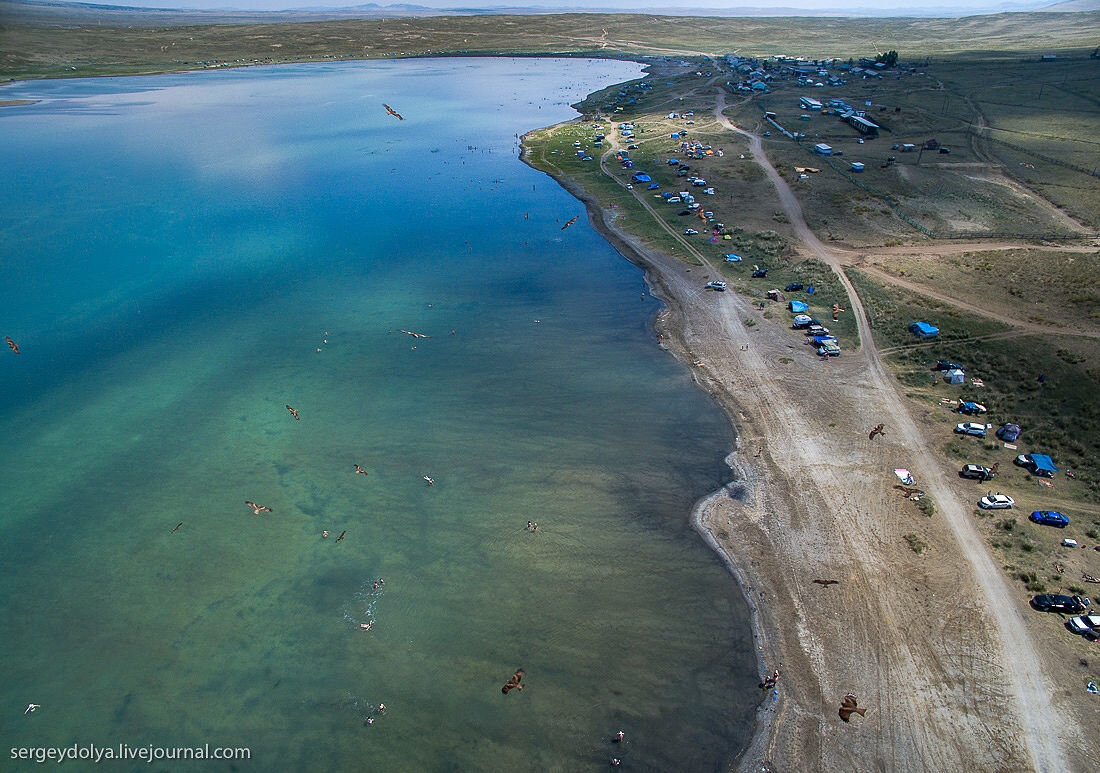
[341,536]
[415,335]
[849,706]
[257,509]
[393,112]
[360,470]
[293,412]
[570,223]
[177,528]
[14,346]
[876,431]
[431,481]
[826,583]
[514,682]
[31,707]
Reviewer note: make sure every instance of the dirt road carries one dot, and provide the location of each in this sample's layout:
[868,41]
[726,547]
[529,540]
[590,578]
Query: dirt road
[1028,689]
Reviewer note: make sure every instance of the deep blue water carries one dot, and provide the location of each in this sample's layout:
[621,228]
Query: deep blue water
[184,255]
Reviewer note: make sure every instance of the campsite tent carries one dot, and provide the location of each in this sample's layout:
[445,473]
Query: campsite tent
[924,330]
[954,376]
[1043,465]
[798,306]
[641,177]
[1009,432]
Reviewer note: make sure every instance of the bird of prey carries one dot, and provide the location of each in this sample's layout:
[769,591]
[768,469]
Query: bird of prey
[293,412]
[876,431]
[177,528]
[514,682]
[360,470]
[415,335]
[257,509]
[14,346]
[836,311]
[341,536]
[393,112]
[570,223]
[848,707]
[826,583]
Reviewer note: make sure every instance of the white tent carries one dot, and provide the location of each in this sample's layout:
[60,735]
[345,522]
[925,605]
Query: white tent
[954,376]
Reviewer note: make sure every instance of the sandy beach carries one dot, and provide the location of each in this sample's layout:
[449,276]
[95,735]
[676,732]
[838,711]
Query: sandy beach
[934,645]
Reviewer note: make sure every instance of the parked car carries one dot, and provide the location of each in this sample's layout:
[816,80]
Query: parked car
[759,273]
[976,472]
[716,285]
[970,428]
[973,409]
[1050,518]
[996,502]
[793,287]
[1009,432]
[1051,602]
[947,365]
[690,232]
[1086,625]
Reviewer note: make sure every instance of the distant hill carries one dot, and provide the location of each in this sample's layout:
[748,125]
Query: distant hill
[69,12]
[1072,6]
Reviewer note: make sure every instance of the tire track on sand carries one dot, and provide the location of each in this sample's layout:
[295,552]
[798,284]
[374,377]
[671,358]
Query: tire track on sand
[1028,689]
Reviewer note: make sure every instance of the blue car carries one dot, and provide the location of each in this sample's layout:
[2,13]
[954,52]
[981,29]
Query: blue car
[1050,518]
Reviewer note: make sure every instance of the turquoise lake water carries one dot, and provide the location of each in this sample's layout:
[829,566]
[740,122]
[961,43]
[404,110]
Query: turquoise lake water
[184,255]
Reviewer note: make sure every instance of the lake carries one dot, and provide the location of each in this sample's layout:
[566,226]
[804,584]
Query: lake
[184,256]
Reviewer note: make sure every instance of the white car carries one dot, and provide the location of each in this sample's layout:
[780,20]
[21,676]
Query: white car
[690,232]
[996,502]
[1086,625]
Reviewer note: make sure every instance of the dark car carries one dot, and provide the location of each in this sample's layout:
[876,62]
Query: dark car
[760,272]
[947,365]
[683,212]
[1050,518]
[976,472]
[793,287]
[1049,602]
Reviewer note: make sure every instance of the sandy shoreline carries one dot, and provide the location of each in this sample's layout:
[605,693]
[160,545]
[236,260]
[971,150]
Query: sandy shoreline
[908,633]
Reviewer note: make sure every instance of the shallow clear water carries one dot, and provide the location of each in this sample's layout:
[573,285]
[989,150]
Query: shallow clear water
[175,251]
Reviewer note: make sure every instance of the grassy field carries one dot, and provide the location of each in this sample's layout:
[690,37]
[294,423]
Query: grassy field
[1059,415]
[35,51]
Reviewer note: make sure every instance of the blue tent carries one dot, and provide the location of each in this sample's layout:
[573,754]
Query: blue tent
[810,289]
[1041,464]
[924,330]
[653,186]
[798,306]
[641,177]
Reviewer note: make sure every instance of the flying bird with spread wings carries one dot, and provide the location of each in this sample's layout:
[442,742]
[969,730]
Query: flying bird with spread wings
[14,346]
[393,112]
[849,706]
[826,583]
[570,223]
[514,682]
[360,470]
[293,412]
[257,509]
[415,335]
[876,431]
